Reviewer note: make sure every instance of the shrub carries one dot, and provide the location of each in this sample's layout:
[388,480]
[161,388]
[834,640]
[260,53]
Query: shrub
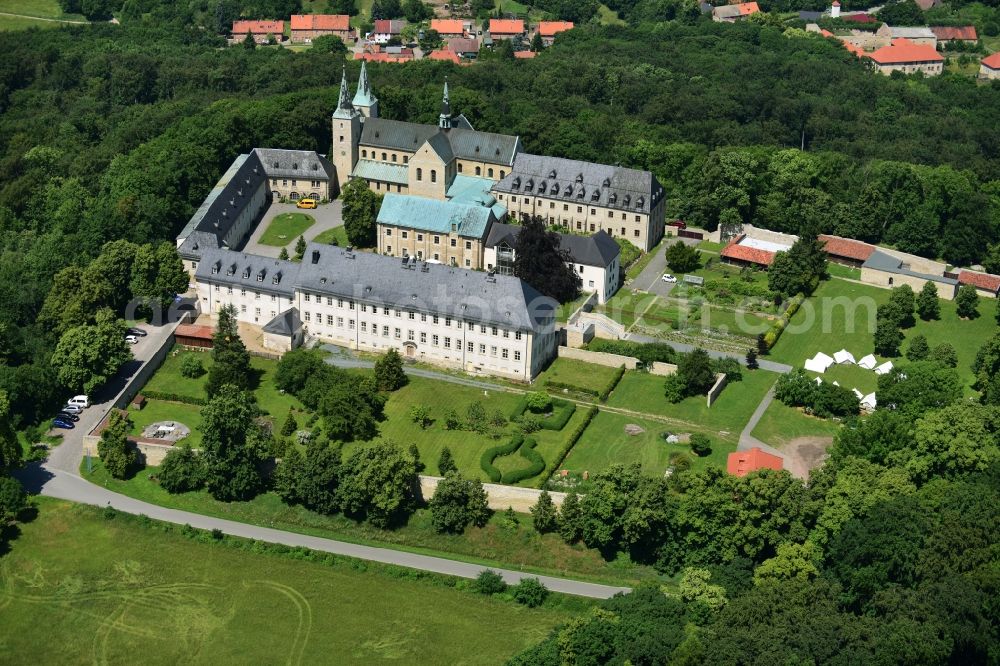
[191,367]
[777,328]
[559,386]
[680,462]
[645,352]
[446,463]
[421,415]
[539,402]
[452,421]
[181,471]
[606,391]
[290,425]
[492,453]
[476,417]
[489,582]
[530,592]
[530,424]
[174,397]
[535,467]
[543,515]
[701,445]
[458,503]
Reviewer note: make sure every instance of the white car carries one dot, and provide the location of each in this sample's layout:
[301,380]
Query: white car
[667,277]
[80,401]
[132,339]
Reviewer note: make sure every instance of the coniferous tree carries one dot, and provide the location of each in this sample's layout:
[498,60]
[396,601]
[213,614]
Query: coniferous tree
[571,519]
[231,360]
[967,301]
[544,515]
[446,464]
[389,374]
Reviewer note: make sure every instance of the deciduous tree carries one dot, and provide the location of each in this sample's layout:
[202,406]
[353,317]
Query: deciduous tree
[378,483]
[967,302]
[232,445]
[458,503]
[928,306]
[360,210]
[540,262]
[117,453]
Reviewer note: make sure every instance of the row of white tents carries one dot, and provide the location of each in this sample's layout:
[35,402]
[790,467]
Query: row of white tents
[821,363]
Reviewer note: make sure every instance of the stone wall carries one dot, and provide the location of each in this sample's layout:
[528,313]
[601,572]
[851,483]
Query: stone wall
[662,369]
[139,379]
[600,358]
[720,383]
[604,327]
[500,497]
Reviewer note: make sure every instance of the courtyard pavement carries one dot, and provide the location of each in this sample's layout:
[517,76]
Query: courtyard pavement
[327,216]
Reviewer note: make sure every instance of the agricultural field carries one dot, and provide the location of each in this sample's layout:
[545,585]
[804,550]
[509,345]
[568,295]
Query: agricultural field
[79,586]
[286,228]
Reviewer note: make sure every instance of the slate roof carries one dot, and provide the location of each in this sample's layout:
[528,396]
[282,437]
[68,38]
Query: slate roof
[984,281]
[887,263]
[435,216]
[597,250]
[250,271]
[398,174]
[286,323]
[433,289]
[599,184]
[333,22]
[465,142]
[307,164]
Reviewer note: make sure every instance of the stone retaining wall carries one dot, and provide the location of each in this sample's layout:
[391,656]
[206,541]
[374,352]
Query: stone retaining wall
[500,497]
[720,383]
[600,358]
[662,369]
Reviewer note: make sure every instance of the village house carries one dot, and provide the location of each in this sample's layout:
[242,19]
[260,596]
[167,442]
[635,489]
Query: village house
[451,28]
[734,13]
[917,34]
[307,27]
[947,34]
[905,56]
[396,54]
[989,67]
[464,47]
[477,322]
[385,29]
[595,259]
[444,55]
[549,29]
[260,30]
[506,28]
[586,197]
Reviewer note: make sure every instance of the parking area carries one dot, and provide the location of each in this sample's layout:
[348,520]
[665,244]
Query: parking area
[650,279]
[327,217]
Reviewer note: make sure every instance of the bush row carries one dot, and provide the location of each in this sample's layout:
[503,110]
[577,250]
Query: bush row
[647,352]
[559,386]
[773,333]
[562,412]
[606,391]
[174,397]
[535,467]
[571,440]
[494,452]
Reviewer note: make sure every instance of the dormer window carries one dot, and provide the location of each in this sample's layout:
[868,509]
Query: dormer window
[640,202]
[628,198]
[315,167]
[582,192]
[552,174]
[215,268]
[596,195]
[579,177]
[295,165]
[260,275]
[276,278]
[246,273]
[529,185]
[613,198]
[541,187]
[231,270]
[607,182]
[568,191]
[517,183]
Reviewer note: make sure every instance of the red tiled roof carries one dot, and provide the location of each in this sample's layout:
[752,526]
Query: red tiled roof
[856,50]
[825,33]
[339,22]
[551,28]
[448,26]
[745,253]
[506,26]
[965,32]
[846,247]
[525,55]
[903,50]
[741,463]
[384,57]
[193,331]
[747,8]
[984,281]
[993,61]
[276,28]
[860,18]
[388,27]
[441,54]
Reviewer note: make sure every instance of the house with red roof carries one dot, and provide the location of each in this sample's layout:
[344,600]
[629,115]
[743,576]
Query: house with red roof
[444,54]
[449,28]
[307,27]
[741,463]
[386,54]
[945,34]
[259,29]
[734,13]
[744,251]
[986,284]
[989,67]
[506,28]
[549,29]
[846,251]
[385,30]
[860,17]
[905,56]
[524,55]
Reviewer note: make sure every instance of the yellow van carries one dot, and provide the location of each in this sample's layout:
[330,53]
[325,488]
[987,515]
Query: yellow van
[306,203]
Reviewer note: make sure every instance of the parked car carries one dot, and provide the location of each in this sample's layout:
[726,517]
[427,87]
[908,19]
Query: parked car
[72,409]
[131,339]
[65,425]
[306,203]
[137,331]
[667,277]
[680,224]
[80,401]
[68,416]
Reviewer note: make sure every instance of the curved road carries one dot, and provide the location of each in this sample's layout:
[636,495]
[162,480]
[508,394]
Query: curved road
[67,486]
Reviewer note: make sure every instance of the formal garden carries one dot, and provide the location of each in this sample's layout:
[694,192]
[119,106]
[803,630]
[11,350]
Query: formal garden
[285,228]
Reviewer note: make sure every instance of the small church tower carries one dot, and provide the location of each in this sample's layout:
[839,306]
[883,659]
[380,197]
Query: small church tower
[364,99]
[445,119]
[346,132]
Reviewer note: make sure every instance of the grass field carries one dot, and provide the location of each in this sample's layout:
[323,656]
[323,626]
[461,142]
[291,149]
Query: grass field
[286,228]
[44,9]
[338,234]
[850,376]
[158,410]
[643,392]
[82,588]
[493,545]
[781,424]
[577,373]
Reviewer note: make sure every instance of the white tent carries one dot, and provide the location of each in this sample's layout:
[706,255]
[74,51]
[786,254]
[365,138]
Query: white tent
[858,394]
[883,369]
[818,381]
[844,356]
[819,363]
[868,362]
[868,402]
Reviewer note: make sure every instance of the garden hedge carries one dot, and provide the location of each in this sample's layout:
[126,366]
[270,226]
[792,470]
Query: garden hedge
[571,440]
[552,384]
[773,333]
[536,466]
[174,397]
[494,452]
[606,391]
[562,412]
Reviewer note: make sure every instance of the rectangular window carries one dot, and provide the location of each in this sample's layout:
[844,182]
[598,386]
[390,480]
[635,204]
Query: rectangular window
[638,218]
[405,235]
[340,322]
[470,325]
[307,316]
[517,335]
[579,209]
[504,353]
[453,242]
[447,321]
[350,324]
[506,333]
[399,313]
[493,350]
[423,317]
[566,207]
[364,327]
[482,329]
[364,308]
[272,298]
[306,297]
[385,331]
[468,263]
[385,311]
[468,245]
[256,311]
[434,340]
[517,355]
[469,347]
[409,335]
[329,320]
[411,315]
[423,338]
[482,349]
[494,331]
[636,233]
[420,237]
[437,240]
[388,232]
[435,320]
[447,343]
[398,333]
[340,303]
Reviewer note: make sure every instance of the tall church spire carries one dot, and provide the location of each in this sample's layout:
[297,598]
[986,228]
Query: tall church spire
[344,106]
[364,99]
[444,120]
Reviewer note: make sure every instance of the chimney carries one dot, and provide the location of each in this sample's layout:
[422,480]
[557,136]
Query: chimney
[835,9]
[315,257]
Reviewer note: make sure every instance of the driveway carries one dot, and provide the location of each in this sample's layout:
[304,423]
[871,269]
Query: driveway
[327,216]
[649,280]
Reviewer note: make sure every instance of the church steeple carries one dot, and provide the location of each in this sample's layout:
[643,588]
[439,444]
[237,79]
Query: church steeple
[444,120]
[364,99]
[344,107]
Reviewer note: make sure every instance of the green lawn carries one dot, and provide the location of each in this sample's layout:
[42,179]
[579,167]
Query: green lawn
[781,424]
[40,8]
[625,307]
[492,545]
[567,309]
[109,590]
[158,410]
[643,392]
[286,228]
[824,324]
[338,234]
[839,270]
[850,376]
[577,373]
[608,17]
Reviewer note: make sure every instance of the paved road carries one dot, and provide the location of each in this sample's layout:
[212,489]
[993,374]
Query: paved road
[68,455]
[650,279]
[67,486]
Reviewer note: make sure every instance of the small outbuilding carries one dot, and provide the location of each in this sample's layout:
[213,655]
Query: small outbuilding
[284,332]
[884,369]
[741,463]
[868,403]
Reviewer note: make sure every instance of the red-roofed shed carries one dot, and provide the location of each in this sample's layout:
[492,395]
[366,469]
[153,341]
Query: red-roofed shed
[945,34]
[192,335]
[744,254]
[741,463]
[846,250]
[985,283]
